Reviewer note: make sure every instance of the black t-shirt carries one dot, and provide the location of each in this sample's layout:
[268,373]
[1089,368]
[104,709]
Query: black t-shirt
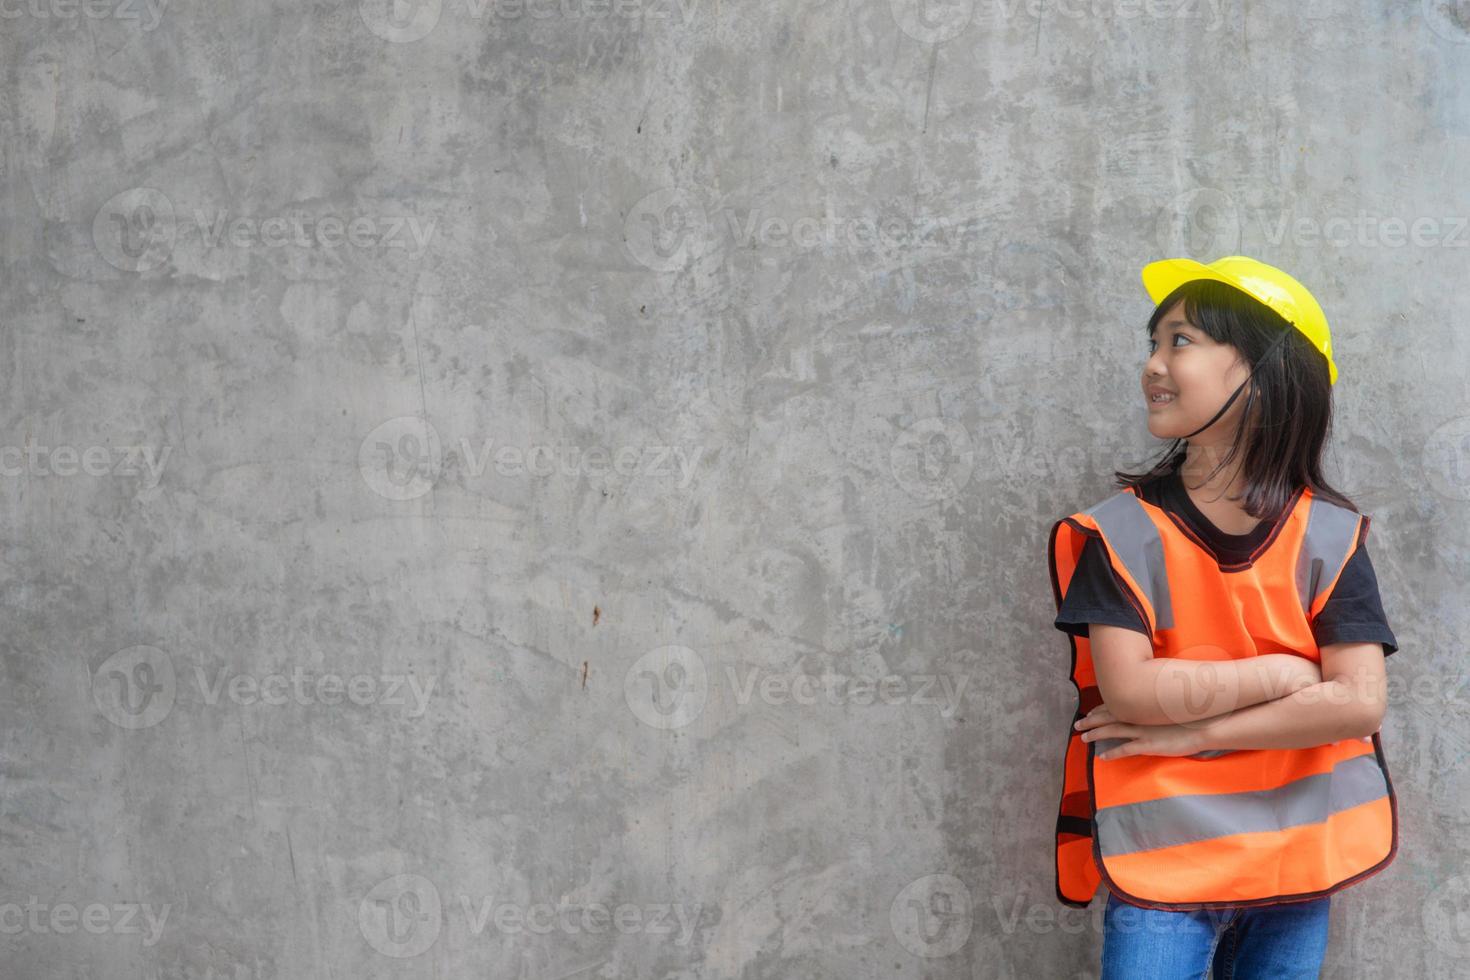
[1352,614]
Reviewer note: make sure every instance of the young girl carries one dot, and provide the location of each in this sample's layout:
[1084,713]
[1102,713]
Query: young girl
[1224,773]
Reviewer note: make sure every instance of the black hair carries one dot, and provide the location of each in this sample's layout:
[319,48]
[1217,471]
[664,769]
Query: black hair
[1287,415]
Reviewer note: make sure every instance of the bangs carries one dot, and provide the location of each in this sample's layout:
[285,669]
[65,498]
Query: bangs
[1216,308]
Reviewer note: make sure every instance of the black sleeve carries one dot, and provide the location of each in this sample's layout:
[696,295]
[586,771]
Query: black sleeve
[1094,596]
[1354,611]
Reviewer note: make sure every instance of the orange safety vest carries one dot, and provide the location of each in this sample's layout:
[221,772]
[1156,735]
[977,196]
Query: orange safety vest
[1225,828]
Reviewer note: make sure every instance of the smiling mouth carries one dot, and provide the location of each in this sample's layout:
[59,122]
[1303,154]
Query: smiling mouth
[1161,399]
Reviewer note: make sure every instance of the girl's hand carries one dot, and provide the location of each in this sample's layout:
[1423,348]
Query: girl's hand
[1145,739]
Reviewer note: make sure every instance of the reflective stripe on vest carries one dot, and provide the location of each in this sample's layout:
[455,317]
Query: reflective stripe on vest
[1225,827]
[1331,533]
[1175,820]
[1134,536]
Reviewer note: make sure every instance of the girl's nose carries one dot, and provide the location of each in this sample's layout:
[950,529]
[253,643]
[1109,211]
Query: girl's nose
[1153,368]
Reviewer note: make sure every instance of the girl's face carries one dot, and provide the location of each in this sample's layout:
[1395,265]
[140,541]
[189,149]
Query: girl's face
[1198,374]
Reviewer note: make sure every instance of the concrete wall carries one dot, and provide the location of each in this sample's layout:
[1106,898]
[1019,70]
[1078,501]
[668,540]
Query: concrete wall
[445,444]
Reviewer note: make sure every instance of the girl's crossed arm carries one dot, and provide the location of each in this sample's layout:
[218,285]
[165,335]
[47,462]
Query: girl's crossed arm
[1274,701]
[1348,703]
[1140,689]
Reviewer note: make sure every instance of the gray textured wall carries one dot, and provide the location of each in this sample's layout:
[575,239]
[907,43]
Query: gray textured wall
[444,444]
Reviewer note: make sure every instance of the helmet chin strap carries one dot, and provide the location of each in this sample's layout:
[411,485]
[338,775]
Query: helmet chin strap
[1228,402]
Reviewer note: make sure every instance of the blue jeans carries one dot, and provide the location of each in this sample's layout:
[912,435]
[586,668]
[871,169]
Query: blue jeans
[1286,940]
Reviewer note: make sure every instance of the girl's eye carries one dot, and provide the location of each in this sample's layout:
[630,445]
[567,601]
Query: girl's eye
[1178,336]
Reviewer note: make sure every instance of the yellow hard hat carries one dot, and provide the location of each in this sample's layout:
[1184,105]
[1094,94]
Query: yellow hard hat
[1266,283]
